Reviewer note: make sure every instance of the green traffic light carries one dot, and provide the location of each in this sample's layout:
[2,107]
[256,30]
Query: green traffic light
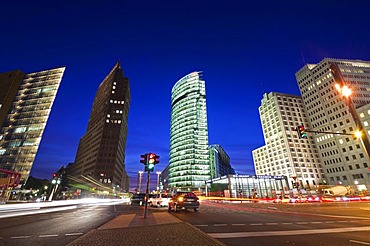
[150,166]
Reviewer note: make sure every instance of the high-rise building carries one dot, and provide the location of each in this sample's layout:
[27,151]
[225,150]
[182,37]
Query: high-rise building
[25,104]
[219,161]
[321,85]
[101,151]
[284,153]
[189,165]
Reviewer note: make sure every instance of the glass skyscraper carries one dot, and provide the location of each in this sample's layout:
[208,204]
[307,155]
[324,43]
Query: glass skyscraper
[26,101]
[189,165]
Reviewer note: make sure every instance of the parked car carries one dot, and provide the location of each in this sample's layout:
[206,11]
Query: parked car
[160,200]
[183,200]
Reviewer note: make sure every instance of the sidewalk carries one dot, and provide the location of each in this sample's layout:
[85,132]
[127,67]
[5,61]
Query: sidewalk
[159,228]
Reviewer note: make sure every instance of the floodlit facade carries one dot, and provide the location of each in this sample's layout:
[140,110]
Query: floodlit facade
[26,101]
[343,156]
[189,165]
[284,153]
[101,151]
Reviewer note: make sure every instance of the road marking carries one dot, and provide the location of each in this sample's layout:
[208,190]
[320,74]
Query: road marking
[342,221]
[359,242]
[20,237]
[220,225]
[51,235]
[288,223]
[238,224]
[302,223]
[258,224]
[329,222]
[286,233]
[271,223]
[316,222]
[74,234]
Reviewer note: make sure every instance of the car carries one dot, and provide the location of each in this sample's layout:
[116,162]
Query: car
[183,200]
[138,199]
[160,200]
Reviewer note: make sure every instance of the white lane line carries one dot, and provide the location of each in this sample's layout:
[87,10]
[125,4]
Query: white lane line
[258,224]
[74,234]
[329,222]
[287,223]
[238,224]
[20,237]
[220,225]
[287,233]
[343,221]
[316,222]
[200,225]
[359,242]
[51,235]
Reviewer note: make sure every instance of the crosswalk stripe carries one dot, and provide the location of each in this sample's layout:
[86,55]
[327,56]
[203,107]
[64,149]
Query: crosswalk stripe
[286,233]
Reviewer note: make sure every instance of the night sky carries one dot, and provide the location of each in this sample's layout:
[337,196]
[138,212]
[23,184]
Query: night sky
[244,49]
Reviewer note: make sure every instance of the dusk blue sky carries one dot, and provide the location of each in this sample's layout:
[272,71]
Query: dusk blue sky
[244,48]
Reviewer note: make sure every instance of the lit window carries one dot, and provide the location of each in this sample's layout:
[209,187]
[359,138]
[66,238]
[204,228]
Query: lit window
[115,101]
[362,115]
[114,83]
[341,141]
[107,121]
[119,122]
[112,92]
[108,115]
[111,101]
[117,111]
[366,123]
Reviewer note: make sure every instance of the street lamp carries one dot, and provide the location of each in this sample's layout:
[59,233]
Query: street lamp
[140,178]
[158,175]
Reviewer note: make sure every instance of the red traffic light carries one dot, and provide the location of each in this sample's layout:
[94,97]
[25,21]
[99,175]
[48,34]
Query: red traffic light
[54,175]
[301,132]
[151,158]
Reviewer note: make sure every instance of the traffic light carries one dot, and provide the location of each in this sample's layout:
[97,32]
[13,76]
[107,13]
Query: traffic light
[151,162]
[54,175]
[144,159]
[156,159]
[301,132]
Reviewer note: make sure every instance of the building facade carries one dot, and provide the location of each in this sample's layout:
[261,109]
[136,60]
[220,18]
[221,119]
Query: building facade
[219,161]
[343,156]
[284,153]
[189,165]
[101,151]
[26,101]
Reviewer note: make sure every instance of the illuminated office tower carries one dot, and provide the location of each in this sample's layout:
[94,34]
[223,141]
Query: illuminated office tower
[284,153]
[189,165]
[343,157]
[26,101]
[101,151]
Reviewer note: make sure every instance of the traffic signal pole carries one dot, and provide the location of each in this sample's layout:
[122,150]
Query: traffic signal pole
[146,195]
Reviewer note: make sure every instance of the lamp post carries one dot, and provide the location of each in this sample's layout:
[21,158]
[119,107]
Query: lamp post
[158,175]
[140,179]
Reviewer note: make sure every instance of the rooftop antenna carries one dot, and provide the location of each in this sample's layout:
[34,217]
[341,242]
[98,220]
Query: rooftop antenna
[304,62]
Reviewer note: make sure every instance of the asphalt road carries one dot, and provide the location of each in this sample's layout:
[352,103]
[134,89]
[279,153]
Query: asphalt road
[232,224]
[58,228]
[283,224]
